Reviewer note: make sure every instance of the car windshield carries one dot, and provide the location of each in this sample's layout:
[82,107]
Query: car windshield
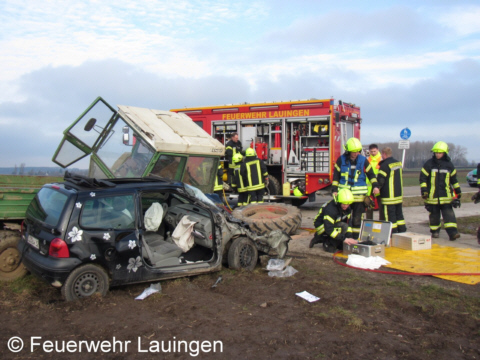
[47,206]
[193,191]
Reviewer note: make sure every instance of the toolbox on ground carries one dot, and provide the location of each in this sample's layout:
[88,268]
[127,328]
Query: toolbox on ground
[412,241]
[375,235]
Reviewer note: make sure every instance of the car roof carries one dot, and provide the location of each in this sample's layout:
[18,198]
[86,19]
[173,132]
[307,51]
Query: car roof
[84,183]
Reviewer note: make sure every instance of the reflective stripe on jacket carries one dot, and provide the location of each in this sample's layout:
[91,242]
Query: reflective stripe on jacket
[329,215]
[353,175]
[390,181]
[437,178]
[253,172]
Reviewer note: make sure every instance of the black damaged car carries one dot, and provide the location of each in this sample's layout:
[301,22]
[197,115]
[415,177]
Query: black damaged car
[86,235]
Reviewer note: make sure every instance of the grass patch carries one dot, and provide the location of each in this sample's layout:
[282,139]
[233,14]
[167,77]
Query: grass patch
[469,224]
[411,177]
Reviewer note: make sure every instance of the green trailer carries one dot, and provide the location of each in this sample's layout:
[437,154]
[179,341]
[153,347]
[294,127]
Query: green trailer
[16,193]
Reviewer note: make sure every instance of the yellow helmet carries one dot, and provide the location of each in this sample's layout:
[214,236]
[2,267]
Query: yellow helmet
[237,157]
[345,196]
[440,147]
[353,145]
[250,152]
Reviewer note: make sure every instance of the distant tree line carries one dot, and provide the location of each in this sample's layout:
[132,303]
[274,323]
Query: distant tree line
[45,171]
[421,151]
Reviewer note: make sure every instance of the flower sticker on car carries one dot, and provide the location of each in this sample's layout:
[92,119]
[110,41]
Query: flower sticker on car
[134,264]
[92,257]
[118,266]
[132,244]
[78,205]
[106,236]
[92,194]
[75,234]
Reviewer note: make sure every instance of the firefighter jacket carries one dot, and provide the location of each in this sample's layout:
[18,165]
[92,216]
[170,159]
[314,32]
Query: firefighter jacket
[375,162]
[238,182]
[353,175]
[437,178]
[218,179]
[232,148]
[330,214]
[253,171]
[390,181]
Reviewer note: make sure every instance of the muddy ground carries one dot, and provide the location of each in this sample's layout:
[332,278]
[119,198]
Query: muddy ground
[361,315]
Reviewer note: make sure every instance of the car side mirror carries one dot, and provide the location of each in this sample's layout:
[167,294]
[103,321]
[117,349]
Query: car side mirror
[90,124]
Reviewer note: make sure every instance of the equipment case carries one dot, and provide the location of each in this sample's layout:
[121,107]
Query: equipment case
[376,231]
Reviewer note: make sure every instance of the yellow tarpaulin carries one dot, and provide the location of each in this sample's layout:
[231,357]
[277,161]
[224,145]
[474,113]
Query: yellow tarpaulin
[439,259]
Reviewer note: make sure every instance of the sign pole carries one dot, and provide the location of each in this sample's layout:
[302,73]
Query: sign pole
[404,143]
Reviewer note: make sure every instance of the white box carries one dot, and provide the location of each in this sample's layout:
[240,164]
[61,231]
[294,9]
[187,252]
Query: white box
[412,241]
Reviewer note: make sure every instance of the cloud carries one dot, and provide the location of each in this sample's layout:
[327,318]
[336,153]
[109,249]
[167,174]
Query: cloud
[393,28]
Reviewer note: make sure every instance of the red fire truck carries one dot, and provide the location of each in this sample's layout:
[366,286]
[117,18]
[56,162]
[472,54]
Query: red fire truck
[299,141]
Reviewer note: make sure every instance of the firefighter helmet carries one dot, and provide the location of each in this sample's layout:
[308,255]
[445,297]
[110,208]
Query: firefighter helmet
[297,191]
[237,158]
[440,147]
[250,152]
[345,196]
[353,145]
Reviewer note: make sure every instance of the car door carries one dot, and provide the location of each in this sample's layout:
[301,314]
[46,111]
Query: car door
[108,223]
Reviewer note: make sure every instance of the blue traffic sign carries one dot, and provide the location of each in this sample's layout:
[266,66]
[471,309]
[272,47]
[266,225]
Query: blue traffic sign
[405,134]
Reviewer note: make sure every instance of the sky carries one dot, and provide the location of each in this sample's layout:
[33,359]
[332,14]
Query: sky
[412,64]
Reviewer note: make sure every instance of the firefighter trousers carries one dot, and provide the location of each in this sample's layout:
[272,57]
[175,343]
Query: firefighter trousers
[358,209]
[332,245]
[256,196]
[449,219]
[394,214]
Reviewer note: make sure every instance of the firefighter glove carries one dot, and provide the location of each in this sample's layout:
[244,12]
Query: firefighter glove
[459,196]
[367,201]
[456,203]
[476,198]
[425,195]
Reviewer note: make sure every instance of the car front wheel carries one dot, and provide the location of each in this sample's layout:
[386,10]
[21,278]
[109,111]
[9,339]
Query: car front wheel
[85,281]
[243,254]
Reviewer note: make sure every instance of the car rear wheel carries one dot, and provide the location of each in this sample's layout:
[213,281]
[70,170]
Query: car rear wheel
[11,267]
[243,254]
[85,281]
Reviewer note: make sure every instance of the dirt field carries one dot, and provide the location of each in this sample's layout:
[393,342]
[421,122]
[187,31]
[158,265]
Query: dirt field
[361,315]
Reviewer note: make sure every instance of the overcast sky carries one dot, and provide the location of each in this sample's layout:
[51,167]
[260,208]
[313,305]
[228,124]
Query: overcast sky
[412,64]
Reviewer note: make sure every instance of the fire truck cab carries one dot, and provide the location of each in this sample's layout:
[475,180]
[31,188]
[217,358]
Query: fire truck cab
[299,141]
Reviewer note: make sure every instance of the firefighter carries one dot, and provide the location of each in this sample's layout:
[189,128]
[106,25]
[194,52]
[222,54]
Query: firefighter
[374,159]
[255,176]
[332,223]
[391,191]
[437,178]
[233,146]
[476,198]
[351,172]
[238,184]
[218,187]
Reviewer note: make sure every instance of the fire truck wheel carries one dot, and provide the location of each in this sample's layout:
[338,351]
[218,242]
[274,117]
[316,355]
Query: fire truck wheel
[298,202]
[274,185]
[10,266]
[266,217]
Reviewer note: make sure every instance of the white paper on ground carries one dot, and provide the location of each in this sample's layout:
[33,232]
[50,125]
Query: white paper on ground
[307,296]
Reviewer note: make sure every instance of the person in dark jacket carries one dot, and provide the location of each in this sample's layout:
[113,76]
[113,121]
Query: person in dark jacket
[232,147]
[255,176]
[438,183]
[238,183]
[351,172]
[332,223]
[390,180]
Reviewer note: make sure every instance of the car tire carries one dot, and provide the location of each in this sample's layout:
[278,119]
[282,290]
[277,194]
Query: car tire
[243,254]
[11,267]
[85,281]
[274,187]
[266,217]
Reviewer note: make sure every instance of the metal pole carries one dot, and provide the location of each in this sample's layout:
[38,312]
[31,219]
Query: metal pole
[403,159]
